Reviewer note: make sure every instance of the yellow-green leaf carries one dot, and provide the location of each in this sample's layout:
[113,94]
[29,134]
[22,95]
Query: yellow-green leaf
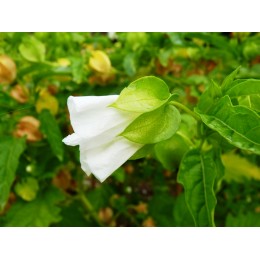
[27,189]
[238,168]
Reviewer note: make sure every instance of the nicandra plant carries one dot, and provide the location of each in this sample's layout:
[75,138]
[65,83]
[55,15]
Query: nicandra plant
[146,116]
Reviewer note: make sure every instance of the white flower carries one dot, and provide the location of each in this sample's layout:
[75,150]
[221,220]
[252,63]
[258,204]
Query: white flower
[96,128]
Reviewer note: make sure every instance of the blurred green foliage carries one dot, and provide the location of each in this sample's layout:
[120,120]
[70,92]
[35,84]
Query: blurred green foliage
[41,182]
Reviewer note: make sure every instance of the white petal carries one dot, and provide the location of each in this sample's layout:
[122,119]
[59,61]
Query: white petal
[104,160]
[72,140]
[91,117]
[84,164]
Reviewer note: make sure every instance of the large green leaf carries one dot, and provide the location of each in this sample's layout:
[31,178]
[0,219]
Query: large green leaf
[250,101]
[237,124]
[143,95]
[247,92]
[244,88]
[51,129]
[10,151]
[197,174]
[155,126]
[40,212]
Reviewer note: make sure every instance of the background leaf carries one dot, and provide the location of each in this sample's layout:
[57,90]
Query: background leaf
[10,151]
[238,168]
[51,129]
[129,64]
[100,62]
[40,212]
[32,49]
[243,220]
[27,188]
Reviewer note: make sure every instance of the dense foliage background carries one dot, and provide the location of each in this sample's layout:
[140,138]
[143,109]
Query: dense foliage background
[41,182]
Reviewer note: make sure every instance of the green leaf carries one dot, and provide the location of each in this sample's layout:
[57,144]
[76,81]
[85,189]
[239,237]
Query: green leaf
[252,102]
[40,212]
[10,151]
[229,79]
[51,129]
[247,92]
[197,174]
[209,97]
[143,95]
[244,88]
[153,127]
[129,64]
[27,189]
[249,219]
[237,124]
[32,49]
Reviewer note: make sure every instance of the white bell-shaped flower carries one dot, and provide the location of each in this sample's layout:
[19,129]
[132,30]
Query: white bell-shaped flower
[96,128]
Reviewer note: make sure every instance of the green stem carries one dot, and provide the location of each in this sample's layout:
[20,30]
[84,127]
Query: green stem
[187,110]
[89,208]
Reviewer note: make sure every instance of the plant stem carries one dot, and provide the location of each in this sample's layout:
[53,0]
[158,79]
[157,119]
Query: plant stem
[89,208]
[187,110]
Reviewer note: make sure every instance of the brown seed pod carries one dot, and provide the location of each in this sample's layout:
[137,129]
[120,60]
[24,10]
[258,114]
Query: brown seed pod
[28,126]
[7,70]
[20,94]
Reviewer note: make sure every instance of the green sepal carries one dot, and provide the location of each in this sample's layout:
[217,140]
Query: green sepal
[143,95]
[153,127]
